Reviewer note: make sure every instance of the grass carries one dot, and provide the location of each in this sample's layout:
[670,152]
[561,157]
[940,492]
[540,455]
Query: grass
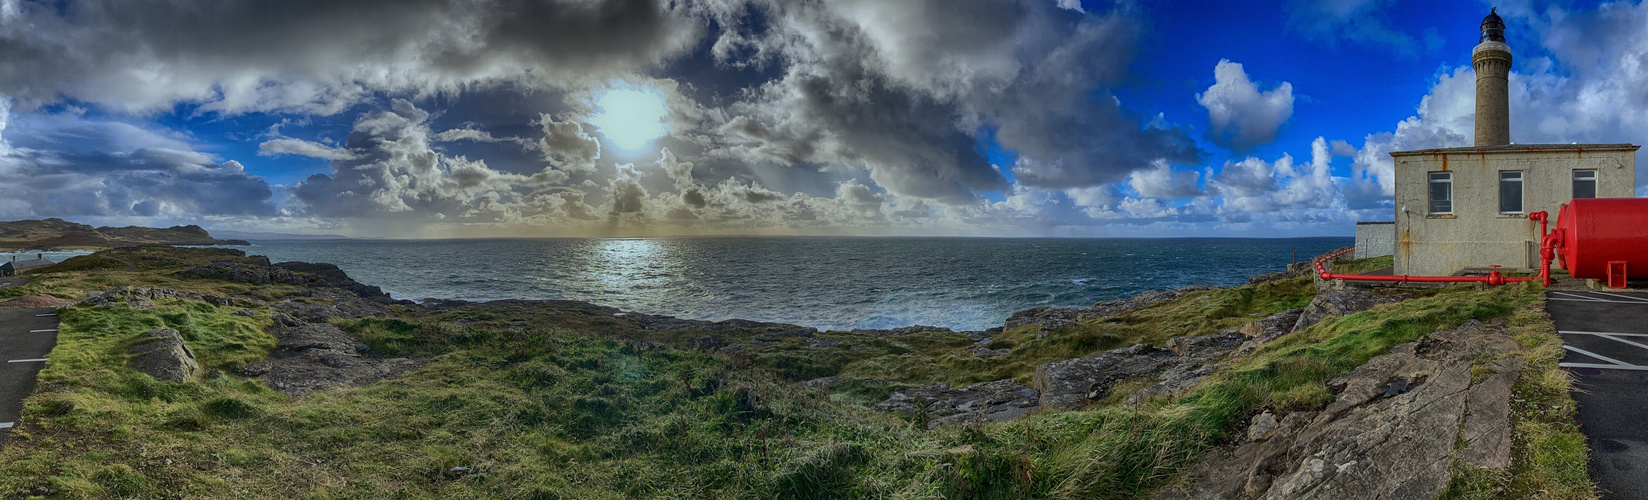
[564,400]
[1364,265]
[1549,450]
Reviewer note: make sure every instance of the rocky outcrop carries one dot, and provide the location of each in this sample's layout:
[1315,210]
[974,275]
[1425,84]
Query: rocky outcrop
[982,402]
[315,356]
[1390,433]
[659,322]
[1270,328]
[1053,318]
[161,353]
[144,297]
[324,305]
[258,271]
[1069,383]
[1336,303]
[34,300]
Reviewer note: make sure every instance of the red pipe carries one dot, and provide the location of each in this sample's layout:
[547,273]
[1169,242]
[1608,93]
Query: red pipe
[1493,277]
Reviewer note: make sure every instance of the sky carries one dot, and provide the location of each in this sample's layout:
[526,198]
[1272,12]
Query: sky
[504,118]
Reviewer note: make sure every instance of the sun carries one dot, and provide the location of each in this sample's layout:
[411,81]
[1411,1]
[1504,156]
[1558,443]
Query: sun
[631,118]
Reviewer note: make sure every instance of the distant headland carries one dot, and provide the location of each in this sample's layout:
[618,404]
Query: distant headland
[59,234]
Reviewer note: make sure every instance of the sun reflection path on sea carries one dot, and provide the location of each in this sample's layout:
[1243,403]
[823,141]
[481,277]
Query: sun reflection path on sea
[630,268]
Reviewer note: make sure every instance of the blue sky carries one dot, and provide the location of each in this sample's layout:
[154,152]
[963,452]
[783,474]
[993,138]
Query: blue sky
[641,117]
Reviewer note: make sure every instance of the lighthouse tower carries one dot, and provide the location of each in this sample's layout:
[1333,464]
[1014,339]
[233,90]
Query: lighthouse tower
[1492,61]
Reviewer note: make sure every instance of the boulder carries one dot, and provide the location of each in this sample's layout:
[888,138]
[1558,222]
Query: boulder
[1264,331]
[823,343]
[804,333]
[982,402]
[1069,383]
[1389,434]
[161,353]
[1336,303]
[317,356]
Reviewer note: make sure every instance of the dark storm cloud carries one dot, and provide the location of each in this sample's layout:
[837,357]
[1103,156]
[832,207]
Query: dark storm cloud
[905,89]
[319,55]
[818,113]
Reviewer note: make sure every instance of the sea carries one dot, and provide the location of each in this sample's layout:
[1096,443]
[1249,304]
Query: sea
[838,283]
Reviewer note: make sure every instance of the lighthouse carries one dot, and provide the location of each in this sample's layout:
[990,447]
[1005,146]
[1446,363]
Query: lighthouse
[1463,209]
[1492,60]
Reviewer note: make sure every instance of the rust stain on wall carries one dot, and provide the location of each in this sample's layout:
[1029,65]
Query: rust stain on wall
[1444,163]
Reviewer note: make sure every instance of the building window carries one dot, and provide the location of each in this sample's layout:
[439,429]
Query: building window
[1510,192]
[1441,193]
[1584,184]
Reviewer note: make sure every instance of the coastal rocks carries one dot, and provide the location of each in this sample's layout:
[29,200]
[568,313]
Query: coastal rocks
[828,382]
[1336,303]
[1264,331]
[656,322]
[823,343]
[161,353]
[1068,383]
[1052,318]
[1389,434]
[805,333]
[704,343]
[260,272]
[143,297]
[328,305]
[982,348]
[33,300]
[317,356]
[982,402]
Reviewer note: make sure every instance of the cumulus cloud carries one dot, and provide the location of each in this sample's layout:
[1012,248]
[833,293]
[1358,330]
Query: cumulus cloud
[1162,181]
[1240,116]
[117,169]
[300,147]
[396,172]
[566,145]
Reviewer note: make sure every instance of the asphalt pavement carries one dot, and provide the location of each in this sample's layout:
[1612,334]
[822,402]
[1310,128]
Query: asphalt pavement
[26,336]
[1605,334]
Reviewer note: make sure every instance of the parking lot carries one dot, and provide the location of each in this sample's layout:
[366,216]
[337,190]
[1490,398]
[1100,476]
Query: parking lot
[1605,335]
[29,335]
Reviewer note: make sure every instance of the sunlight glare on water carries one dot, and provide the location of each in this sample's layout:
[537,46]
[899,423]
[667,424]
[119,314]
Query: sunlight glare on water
[823,282]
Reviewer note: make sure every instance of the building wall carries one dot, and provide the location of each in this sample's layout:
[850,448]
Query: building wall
[1375,239]
[1476,234]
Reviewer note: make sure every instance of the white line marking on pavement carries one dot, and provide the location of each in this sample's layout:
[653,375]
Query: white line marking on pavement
[1597,356]
[1604,367]
[44,315]
[7,425]
[27,360]
[39,331]
[1573,332]
[1631,297]
[1599,300]
[1617,339]
[1575,295]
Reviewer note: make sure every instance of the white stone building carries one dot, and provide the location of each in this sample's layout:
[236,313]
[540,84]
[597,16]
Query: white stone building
[1467,208]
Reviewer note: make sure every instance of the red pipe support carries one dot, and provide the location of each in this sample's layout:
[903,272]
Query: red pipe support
[1493,277]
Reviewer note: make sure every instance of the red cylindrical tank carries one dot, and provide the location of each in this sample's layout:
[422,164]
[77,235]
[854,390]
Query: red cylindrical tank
[1597,231]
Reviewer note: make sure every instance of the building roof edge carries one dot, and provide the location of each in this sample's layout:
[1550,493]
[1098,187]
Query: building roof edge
[1520,148]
